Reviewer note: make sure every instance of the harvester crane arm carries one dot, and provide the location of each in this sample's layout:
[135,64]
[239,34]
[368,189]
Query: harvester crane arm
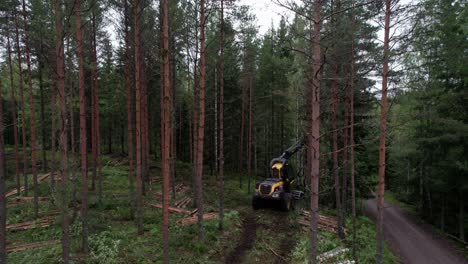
[288,153]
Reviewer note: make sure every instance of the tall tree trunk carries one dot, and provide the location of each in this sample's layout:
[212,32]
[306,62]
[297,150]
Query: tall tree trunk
[43,123]
[63,172]
[53,108]
[22,106]
[345,157]
[201,123]
[96,106]
[383,133]
[221,122]
[351,137]
[313,128]
[195,115]
[216,122]
[14,117]
[83,140]
[3,208]
[249,147]
[32,118]
[336,174]
[138,118]
[166,129]
[131,173]
[242,128]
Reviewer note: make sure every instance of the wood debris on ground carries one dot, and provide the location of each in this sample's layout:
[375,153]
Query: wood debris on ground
[27,199]
[39,180]
[347,262]
[171,209]
[193,219]
[327,223]
[16,248]
[43,222]
[332,253]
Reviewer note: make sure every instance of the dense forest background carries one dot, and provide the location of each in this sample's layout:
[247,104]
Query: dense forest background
[91,75]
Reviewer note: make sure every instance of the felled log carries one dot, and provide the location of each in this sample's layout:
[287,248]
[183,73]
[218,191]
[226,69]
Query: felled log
[17,248]
[39,180]
[171,209]
[43,222]
[193,219]
[183,202]
[331,254]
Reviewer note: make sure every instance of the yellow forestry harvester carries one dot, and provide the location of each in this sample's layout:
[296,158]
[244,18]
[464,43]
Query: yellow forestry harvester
[278,188]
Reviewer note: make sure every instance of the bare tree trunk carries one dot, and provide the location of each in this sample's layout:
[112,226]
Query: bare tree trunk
[96,106]
[313,128]
[345,158]
[216,122]
[351,139]
[63,172]
[22,106]
[249,147]
[43,123]
[166,116]
[138,118]
[3,208]
[195,112]
[32,118]
[334,104]
[83,140]
[201,123]
[53,107]
[14,118]
[221,122]
[383,133]
[131,173]
[242,128]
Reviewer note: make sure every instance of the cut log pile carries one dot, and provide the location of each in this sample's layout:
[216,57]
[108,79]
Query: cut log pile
[331,254]
[43,222]
[181,188]
[39,180]
[182,203]
[16,248]
[327,223]
[193,219]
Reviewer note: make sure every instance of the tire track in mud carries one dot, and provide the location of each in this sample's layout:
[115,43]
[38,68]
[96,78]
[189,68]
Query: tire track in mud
[248,237]
[278,225]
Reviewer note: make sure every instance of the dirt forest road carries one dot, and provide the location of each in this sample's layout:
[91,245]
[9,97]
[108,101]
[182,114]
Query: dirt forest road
[412,242]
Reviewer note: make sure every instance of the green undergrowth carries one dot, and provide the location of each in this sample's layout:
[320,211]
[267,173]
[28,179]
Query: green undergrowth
[113,235]
[366,244]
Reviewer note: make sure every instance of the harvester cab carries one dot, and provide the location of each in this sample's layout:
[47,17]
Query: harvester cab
[278,187]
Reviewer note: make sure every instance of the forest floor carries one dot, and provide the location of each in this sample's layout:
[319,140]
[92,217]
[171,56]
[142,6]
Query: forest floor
[412,241]
[263,236]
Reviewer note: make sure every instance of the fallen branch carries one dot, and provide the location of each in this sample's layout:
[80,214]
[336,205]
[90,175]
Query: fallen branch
[276,254]
[17,248]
